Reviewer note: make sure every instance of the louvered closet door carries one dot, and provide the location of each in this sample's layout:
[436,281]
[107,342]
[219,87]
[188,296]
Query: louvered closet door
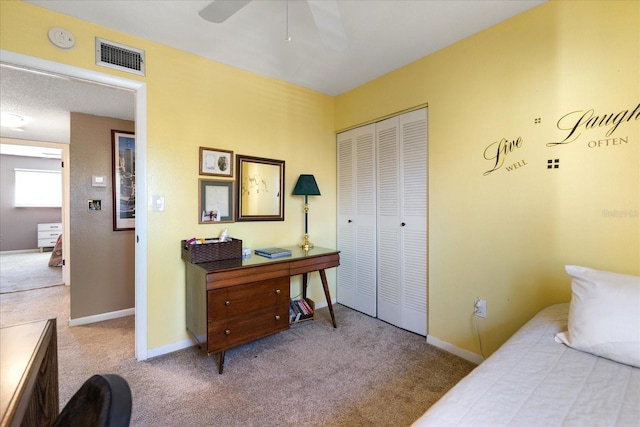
[402,220]
[356,286]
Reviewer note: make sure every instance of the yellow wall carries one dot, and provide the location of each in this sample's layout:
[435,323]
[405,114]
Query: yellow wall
[193,102]
[506,236]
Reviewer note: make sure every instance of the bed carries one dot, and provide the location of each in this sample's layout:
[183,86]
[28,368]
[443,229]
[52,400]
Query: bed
[537,379]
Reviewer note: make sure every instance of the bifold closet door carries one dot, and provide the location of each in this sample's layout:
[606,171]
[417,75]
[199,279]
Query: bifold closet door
[356,287]
[401,144]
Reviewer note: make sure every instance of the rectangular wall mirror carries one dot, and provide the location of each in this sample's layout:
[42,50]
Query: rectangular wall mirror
[260,189]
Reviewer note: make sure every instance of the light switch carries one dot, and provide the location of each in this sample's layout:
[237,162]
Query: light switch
[98,181]
[157,203]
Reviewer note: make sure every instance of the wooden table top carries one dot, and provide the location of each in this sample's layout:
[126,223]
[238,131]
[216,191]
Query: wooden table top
[18,345]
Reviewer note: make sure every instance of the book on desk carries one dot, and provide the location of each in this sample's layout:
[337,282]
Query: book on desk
[273,252]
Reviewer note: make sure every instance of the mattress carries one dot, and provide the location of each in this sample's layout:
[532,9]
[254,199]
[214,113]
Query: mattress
[534,381]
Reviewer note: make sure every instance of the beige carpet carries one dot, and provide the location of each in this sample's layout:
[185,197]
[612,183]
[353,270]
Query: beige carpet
[27,270]
[364,373]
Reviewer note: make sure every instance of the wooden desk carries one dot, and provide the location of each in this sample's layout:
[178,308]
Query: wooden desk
[29,374]
[232,302]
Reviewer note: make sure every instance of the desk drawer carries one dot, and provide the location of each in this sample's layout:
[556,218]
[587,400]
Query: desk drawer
[241,276]
[308,265]
[224,334]
[238,300]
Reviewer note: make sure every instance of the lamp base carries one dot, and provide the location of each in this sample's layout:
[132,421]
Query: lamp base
[306,244]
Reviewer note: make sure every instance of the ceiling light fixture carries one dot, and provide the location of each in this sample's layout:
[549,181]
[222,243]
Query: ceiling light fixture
[11,120]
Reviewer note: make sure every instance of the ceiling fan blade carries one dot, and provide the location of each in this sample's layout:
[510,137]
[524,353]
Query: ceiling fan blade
[329,23]
[221,10]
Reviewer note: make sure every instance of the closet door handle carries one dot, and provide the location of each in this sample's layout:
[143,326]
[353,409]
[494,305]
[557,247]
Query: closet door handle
[402,224]
[349,221]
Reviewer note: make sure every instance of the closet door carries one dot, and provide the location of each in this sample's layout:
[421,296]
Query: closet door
[402,220]
[356,287]
[388,222]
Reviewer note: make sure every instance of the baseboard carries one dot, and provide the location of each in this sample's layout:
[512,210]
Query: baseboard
[102,317]
[465,354]
[21,251]
[170,348]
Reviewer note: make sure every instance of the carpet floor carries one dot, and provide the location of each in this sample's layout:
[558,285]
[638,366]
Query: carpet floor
[24,271]
[363,373]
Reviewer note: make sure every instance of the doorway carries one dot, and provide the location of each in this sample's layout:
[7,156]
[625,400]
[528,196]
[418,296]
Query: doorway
[139,89]
[23,267]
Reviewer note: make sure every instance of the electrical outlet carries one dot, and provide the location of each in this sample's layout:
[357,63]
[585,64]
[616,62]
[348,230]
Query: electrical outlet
[480,308]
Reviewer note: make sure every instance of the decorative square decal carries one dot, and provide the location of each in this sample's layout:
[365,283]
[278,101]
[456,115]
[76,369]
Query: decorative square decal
[553,164]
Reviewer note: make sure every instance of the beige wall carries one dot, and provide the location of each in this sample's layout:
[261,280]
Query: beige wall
[506,235]
[102,260]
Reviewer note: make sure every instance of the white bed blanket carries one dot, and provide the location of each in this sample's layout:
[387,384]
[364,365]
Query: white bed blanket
[534,381]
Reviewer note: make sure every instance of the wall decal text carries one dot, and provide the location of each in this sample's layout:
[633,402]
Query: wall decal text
[607,142]
[579,121]
[498,151]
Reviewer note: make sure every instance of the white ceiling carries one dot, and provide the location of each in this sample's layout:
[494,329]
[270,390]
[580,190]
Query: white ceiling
[382,36]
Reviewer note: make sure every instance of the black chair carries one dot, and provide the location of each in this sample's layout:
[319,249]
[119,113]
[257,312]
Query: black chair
[102,401]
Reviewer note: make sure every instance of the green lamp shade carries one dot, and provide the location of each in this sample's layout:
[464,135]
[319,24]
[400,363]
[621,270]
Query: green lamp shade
[306,186]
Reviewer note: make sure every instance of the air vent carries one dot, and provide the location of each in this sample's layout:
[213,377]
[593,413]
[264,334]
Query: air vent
[119,57]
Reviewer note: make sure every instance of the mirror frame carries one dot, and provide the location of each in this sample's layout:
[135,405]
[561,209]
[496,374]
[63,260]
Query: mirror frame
[259,178]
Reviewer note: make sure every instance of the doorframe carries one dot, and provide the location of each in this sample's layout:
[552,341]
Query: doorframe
[140,90]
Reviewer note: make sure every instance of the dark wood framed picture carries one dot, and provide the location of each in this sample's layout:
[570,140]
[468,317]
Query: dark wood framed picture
[216,162]
[124,180]
[260,189]
[215,201]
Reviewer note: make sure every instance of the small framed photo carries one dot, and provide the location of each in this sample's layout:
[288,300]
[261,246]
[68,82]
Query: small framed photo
[215,201]
[216,162]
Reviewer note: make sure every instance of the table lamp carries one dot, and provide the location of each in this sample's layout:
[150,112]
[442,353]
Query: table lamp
[306,186]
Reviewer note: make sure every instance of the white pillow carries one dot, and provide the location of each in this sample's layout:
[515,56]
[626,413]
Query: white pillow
[604,315]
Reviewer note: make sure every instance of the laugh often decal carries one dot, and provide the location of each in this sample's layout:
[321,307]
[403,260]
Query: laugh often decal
[573,126]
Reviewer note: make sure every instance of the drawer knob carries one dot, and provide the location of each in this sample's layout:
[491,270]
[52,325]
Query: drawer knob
[227,332]
[277,317]
[227,302]
[277,291]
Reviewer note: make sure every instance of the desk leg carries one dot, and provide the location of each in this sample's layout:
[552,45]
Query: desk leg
[325,285]
[221,362]
[304,285]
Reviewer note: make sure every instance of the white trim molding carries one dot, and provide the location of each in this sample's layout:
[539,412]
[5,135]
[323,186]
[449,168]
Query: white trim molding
[102,317]
[448,347]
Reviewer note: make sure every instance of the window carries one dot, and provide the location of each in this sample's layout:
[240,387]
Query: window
[38,188]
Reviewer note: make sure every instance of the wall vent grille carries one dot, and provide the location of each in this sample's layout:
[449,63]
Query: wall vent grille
[119,57]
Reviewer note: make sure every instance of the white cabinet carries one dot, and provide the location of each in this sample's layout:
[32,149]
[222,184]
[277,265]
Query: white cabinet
[48,234]
[382,220]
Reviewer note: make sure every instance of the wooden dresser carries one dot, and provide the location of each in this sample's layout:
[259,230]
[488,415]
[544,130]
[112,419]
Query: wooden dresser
[232,302]
[29,374]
